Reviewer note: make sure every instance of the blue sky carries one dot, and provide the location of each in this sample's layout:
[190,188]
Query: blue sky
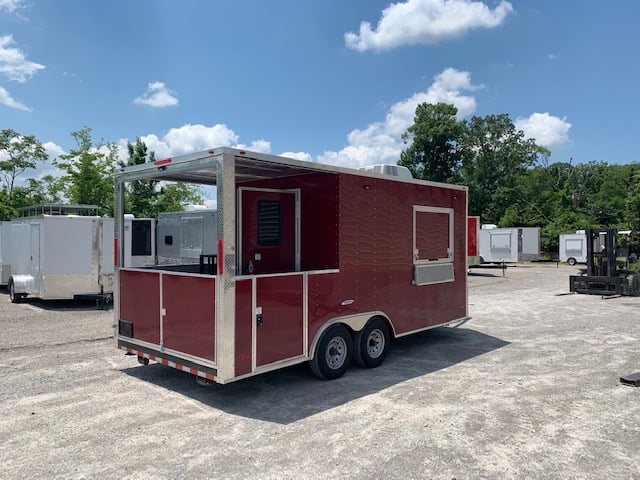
[333,81]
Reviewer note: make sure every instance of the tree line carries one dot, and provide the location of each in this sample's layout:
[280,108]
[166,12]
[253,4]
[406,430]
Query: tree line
[511,181]
[82,176]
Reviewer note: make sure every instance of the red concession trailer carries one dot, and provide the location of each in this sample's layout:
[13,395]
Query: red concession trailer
[314,263]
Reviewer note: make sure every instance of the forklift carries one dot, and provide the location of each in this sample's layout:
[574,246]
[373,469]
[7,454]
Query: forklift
[607,271]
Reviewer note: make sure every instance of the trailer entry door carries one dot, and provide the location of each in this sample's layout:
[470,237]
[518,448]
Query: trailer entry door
[269,227]
[35,251]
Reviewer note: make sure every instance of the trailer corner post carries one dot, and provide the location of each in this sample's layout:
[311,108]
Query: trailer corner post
[118,249]
[118,219]
[225,285]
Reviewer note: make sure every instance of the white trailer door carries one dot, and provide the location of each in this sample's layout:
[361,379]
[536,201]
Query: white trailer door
[35,250]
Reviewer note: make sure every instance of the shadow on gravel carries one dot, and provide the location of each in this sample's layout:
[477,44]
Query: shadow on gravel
[79,304]
[293,393]
[484,274]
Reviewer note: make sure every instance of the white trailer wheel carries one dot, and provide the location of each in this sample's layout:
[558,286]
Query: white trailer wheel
[372,343]
[571,261]
[333,353]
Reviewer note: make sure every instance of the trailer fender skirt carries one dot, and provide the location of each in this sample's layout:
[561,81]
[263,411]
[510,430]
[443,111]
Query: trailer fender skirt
[169,363]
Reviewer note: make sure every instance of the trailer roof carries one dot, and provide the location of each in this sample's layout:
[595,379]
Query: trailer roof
[201,167]
[57,209]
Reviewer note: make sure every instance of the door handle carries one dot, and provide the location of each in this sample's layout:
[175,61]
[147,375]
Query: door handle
[259,320]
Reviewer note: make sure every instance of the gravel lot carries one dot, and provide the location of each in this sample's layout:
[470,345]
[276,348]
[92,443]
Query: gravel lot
[528,388]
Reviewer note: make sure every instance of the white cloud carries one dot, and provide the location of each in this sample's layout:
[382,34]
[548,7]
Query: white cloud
[46,167]
[11,6]
[424,22]
[547,130]
[260,146]
[53,150]
[298,156]
[381,142]
[6,99]
[157,95]
[185,139]
[13,63]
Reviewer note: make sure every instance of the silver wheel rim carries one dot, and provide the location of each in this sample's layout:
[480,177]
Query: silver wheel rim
[336,353]
[375,343]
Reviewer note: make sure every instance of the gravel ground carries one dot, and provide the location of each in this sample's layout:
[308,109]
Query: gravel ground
[528,388]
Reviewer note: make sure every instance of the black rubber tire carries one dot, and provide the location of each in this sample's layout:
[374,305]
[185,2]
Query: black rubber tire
[571,261]
[333,353]
[13,296]
[371,344]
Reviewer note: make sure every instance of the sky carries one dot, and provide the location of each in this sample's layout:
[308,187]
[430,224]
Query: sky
[330,81]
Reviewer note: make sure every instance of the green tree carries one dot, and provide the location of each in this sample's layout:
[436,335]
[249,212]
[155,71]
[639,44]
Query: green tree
[610,200]
[7,211]
[147,198]
[18,153]
[142,195]
[494,154]
[567,221]
[174,196]
[37,191]
[434,150]
[88,172]
[632,202]
[539,194]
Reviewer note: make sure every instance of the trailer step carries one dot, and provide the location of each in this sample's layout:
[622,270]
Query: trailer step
[632,380]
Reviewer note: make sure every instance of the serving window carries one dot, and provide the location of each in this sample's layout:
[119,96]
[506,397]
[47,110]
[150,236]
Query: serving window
[432,245]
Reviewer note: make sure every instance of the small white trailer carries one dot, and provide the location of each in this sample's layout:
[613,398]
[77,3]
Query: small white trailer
[573,247]
[509,245]
[56,255]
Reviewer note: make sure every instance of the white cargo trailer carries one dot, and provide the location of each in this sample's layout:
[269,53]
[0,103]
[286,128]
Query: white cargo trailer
[573,247]
[187,237]
[59,256]
[509,245]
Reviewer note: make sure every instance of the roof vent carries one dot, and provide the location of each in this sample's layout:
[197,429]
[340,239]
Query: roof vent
[385,169]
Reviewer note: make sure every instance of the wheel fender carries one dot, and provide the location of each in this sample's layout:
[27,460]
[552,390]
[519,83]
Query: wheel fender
[20,283]
[354,322]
